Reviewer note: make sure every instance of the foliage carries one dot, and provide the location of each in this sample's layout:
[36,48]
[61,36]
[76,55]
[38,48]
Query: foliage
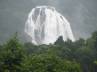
[11,56]
[78,56]
[50,63]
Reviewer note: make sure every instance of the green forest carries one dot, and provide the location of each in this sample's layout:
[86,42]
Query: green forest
[78,56]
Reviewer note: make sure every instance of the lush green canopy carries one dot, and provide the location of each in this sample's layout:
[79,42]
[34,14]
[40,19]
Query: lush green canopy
[78,56]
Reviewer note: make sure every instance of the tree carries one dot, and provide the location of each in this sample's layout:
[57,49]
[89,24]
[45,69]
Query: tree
[50,63]
[59,41]
[11,56]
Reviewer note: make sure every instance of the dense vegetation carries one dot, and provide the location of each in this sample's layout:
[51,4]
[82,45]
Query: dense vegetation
[78,56]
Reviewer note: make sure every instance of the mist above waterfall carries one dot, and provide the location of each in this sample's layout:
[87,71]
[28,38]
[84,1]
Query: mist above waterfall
[44,25]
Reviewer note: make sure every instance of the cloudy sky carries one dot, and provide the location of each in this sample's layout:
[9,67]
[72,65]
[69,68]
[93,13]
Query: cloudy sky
[82,15]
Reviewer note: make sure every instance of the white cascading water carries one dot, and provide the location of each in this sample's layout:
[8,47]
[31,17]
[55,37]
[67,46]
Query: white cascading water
[44,25]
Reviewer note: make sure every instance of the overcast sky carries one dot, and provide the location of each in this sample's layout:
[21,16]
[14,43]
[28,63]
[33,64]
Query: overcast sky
[82,15]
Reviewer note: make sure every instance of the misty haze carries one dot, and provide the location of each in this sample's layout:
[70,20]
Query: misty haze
[48,35]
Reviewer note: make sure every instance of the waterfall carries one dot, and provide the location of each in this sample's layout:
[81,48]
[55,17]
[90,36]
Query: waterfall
[44,25]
